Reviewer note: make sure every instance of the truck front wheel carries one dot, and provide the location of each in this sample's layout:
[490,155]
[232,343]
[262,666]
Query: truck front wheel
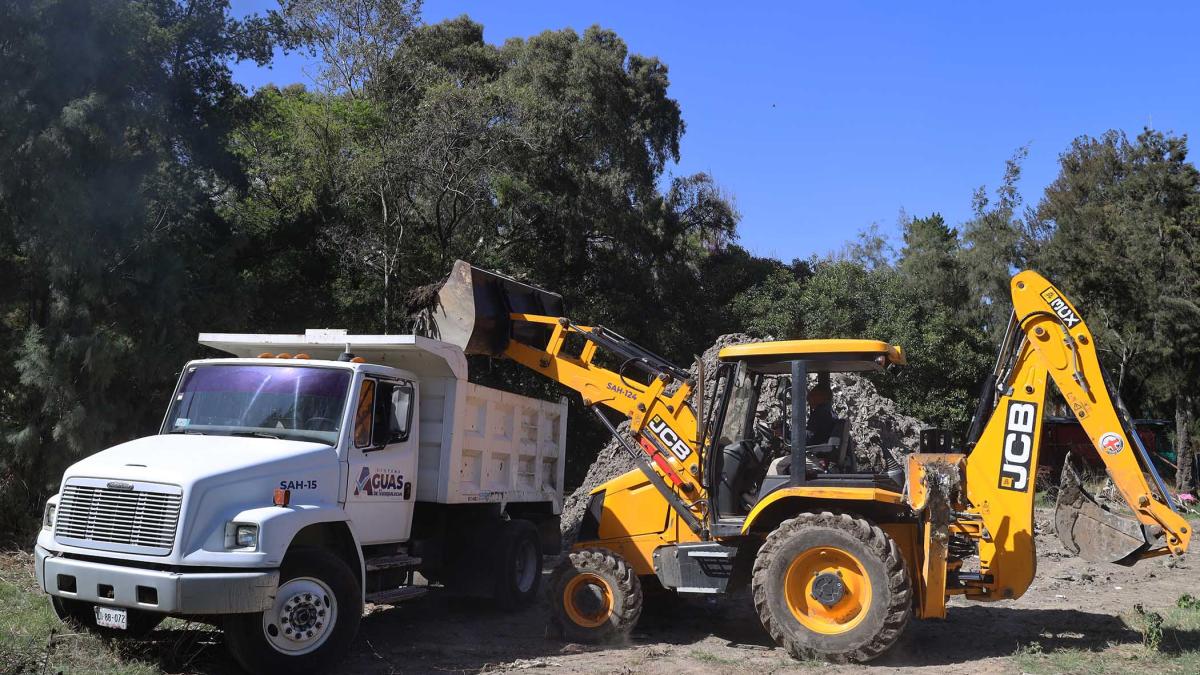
[314,618]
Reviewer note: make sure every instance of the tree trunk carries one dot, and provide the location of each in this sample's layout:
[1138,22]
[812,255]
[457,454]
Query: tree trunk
[387,310]
[1185,480]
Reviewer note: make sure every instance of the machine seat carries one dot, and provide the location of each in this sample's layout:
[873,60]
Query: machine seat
[834,450]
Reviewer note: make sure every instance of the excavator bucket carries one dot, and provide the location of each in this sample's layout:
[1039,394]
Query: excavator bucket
[473,307]
[1091,531]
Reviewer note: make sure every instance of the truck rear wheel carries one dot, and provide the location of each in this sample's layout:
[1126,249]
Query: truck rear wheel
[595,596]
[519,567]
[831,586]
[314,618]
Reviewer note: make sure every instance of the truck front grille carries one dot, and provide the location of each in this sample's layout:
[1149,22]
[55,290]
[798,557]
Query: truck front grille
[130,517]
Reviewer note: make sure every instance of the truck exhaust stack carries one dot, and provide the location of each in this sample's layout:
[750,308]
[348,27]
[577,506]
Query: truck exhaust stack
[473,307]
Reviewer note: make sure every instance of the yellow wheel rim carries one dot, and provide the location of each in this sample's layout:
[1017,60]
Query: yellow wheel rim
[826,566]
[588,600]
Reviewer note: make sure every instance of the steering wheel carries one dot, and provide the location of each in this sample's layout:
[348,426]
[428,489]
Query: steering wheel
[320,424]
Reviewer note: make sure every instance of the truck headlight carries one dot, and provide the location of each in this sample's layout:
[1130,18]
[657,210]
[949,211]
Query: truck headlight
[246,536]
[241,535]
[48,516]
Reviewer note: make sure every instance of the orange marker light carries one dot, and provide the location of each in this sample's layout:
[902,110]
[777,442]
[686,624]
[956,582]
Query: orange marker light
[283,355]
[302,356]
[266,355]
[282,497]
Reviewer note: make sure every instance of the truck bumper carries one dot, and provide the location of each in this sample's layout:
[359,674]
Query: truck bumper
[224,592]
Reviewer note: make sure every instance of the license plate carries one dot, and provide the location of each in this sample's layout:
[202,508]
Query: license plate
[112,617]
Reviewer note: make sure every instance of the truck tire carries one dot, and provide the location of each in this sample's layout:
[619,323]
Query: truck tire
[310,627]
[595,596]
[831,586]
[82,615]
[519,568]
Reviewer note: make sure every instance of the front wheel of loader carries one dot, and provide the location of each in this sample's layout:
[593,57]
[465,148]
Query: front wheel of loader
[595,596]
[832,586]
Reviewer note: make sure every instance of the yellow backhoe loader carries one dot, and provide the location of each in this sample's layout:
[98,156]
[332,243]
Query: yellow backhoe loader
[838,556]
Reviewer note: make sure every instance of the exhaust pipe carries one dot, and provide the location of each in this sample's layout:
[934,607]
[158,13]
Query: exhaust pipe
[473,306]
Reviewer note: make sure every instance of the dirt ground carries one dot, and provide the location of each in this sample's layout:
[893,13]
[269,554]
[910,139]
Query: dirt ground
[1075,618]
[1072,605]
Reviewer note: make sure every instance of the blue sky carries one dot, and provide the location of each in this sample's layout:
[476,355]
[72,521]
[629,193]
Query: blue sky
[820,119]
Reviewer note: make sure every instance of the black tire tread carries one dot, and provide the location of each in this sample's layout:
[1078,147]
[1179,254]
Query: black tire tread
[507,596]
[625,582]
[243,631]
[878,543]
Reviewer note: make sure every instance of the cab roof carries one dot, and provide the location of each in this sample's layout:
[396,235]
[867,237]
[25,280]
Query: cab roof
[830,356]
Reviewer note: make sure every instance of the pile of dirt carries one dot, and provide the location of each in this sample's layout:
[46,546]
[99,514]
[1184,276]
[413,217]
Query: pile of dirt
[874,420]
[612,461]
[875,425]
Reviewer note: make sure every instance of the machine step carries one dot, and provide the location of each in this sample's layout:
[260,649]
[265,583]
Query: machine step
[391,562]
[396,595]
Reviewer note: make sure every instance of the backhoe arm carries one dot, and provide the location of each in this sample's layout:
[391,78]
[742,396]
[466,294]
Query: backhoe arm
[1048,340]
[1057,332]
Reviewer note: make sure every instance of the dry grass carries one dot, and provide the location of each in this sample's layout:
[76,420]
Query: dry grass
[1176,649]
[32,640]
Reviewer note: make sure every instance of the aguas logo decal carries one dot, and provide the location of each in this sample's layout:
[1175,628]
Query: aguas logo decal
[382,483]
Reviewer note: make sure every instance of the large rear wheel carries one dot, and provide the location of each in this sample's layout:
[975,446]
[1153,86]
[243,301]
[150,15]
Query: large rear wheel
[595,596]
[519,565]
[832,586]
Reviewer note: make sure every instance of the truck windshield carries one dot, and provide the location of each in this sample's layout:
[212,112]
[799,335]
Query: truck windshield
[289,402]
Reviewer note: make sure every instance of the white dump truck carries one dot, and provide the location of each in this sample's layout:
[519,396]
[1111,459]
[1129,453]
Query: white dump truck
[307,476]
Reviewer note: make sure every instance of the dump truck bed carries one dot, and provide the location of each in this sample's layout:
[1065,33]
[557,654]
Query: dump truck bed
[480,444]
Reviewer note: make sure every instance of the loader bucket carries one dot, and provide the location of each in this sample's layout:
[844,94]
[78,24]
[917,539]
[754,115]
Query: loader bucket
[473,307]
[1091,531]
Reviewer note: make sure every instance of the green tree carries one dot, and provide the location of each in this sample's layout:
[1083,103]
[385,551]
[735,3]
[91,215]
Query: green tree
[113,115]
[773,307]
[934,317]
[544,158]
[1119,230]
[995,246]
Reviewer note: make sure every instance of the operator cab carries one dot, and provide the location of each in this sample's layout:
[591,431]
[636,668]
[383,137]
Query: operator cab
[763,393]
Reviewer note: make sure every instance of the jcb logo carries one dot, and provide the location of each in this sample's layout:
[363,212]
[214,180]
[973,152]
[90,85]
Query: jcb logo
[669,438]
[1060,307]
[1018,446]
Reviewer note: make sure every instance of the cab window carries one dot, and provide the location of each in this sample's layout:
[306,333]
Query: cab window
[393,412]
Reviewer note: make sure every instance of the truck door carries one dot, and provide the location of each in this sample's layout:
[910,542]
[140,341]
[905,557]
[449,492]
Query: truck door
[383,460]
